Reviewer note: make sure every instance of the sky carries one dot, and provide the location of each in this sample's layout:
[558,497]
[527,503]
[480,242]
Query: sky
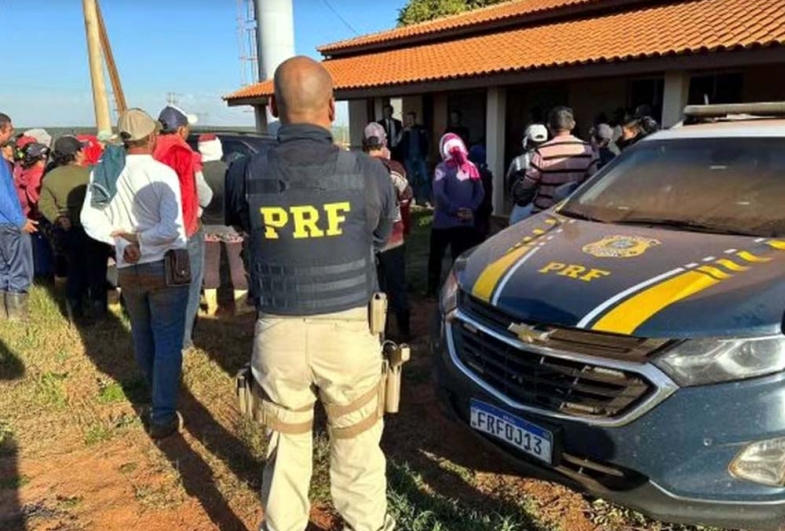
[186,47]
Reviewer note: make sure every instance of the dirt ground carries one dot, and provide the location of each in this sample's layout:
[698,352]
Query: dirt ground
[74,455]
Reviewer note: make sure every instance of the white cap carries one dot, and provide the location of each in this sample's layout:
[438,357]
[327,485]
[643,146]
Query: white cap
[536,133]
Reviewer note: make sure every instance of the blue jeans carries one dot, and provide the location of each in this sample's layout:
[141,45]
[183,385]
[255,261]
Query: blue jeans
[157,316]
[420,181]
[196,247]
[519,213]
[16,260]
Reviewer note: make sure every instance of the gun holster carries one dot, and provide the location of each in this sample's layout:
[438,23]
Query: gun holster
[377,314]
[392,368]
[244,382]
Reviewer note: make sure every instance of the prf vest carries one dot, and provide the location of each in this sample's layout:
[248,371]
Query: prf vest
[311,250]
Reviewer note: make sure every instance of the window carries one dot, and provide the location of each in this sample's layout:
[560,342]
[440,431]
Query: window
[718,88]
[647,92]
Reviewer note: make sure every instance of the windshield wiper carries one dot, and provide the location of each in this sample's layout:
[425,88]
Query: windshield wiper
[688,225]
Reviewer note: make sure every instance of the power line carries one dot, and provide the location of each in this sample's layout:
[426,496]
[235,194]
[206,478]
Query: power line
[337,14]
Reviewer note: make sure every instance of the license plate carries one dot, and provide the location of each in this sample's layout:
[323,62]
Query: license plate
[525,436]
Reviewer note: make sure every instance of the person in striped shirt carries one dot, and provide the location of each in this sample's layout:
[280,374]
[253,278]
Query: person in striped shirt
[562,160]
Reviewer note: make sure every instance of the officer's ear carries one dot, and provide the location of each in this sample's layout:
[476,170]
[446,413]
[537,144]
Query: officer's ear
[273,106]
[332,110]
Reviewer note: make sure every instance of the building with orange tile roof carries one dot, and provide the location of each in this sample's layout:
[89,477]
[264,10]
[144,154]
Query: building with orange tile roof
[506,65]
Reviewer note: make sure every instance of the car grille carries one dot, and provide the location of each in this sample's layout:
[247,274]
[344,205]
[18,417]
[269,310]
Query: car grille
[569,387]
[602,345]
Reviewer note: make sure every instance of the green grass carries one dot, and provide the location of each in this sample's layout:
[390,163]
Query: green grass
[416,508]
[50,390]
[110,392]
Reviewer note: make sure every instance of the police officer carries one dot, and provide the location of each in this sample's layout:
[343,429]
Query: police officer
[315,216]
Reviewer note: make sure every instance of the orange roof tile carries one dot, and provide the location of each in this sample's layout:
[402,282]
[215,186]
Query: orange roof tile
[667,29]
[507,10]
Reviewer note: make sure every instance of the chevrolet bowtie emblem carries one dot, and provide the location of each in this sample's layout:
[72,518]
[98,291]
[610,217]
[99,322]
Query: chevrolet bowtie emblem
[529,334]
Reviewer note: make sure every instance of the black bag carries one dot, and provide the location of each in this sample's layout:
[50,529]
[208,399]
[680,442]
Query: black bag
[177,268]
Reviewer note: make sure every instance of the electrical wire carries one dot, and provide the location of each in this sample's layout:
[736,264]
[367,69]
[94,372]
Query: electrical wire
[337,14]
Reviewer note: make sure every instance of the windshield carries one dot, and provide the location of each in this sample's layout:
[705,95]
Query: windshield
[727,185]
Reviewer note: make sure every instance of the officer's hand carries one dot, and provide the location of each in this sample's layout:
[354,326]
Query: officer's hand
[132,254]
[30,227]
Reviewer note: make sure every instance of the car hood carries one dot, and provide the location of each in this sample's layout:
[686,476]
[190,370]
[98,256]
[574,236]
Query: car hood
[634,280]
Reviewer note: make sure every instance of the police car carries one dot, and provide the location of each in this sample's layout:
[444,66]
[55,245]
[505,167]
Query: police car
[629,342]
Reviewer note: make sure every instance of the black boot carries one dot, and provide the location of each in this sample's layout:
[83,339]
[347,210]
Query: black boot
[3,311]
[16,305]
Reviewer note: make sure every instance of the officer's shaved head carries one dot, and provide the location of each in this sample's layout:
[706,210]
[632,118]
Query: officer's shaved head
[303,93]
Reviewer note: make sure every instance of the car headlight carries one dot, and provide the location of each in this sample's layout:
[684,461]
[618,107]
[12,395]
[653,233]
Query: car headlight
[708,361]
[448,300]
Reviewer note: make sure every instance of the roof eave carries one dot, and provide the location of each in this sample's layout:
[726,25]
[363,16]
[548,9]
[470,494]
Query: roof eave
[334,51]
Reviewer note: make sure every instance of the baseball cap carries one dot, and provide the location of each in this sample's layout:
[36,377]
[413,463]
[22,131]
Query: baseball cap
[135,124]
[24,140]
[68,145]
[172,118]
[374,131]
[603,132]
[35,150]
[41,136]
[536,133]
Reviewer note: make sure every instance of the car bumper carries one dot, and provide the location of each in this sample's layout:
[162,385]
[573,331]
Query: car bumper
[670,463]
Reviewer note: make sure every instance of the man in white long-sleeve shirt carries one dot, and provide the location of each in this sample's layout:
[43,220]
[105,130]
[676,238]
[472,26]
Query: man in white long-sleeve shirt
[133,202]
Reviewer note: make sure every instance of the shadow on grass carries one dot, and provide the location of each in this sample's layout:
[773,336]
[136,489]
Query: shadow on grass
[11,515]
[109,345]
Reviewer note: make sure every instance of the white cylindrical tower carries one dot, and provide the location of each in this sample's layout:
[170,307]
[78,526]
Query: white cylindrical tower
[274,41]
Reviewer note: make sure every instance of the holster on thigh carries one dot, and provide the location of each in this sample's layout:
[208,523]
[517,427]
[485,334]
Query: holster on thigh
[255,404]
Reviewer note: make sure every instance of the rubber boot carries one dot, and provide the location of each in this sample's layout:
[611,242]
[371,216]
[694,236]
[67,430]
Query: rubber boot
[16,304]
[3,311]
[211,298]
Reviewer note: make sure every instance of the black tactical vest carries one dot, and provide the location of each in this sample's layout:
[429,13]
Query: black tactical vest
[311,251]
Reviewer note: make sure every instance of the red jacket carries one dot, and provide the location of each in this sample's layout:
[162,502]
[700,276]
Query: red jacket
[28,188]
[173,151]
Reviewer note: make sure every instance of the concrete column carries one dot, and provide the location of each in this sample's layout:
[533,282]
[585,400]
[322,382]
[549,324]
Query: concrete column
[358,119]
[675,97]
[496,111]
[260,113]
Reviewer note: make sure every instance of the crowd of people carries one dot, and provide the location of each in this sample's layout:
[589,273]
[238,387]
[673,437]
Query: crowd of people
[179,224]
[553,162]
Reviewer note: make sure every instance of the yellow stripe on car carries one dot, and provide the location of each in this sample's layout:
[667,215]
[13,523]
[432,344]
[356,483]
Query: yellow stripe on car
[486,282]
[632,313]
[491,276]
[629,315]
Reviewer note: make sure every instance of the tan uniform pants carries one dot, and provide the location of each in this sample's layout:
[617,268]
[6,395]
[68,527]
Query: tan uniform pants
[336,356]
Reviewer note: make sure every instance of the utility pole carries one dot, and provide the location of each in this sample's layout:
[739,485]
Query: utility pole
[111,66]
[103,121]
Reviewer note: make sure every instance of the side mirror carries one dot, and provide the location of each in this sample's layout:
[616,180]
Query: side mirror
[564,191]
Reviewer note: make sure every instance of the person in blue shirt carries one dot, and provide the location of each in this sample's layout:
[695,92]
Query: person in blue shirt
[16,248]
